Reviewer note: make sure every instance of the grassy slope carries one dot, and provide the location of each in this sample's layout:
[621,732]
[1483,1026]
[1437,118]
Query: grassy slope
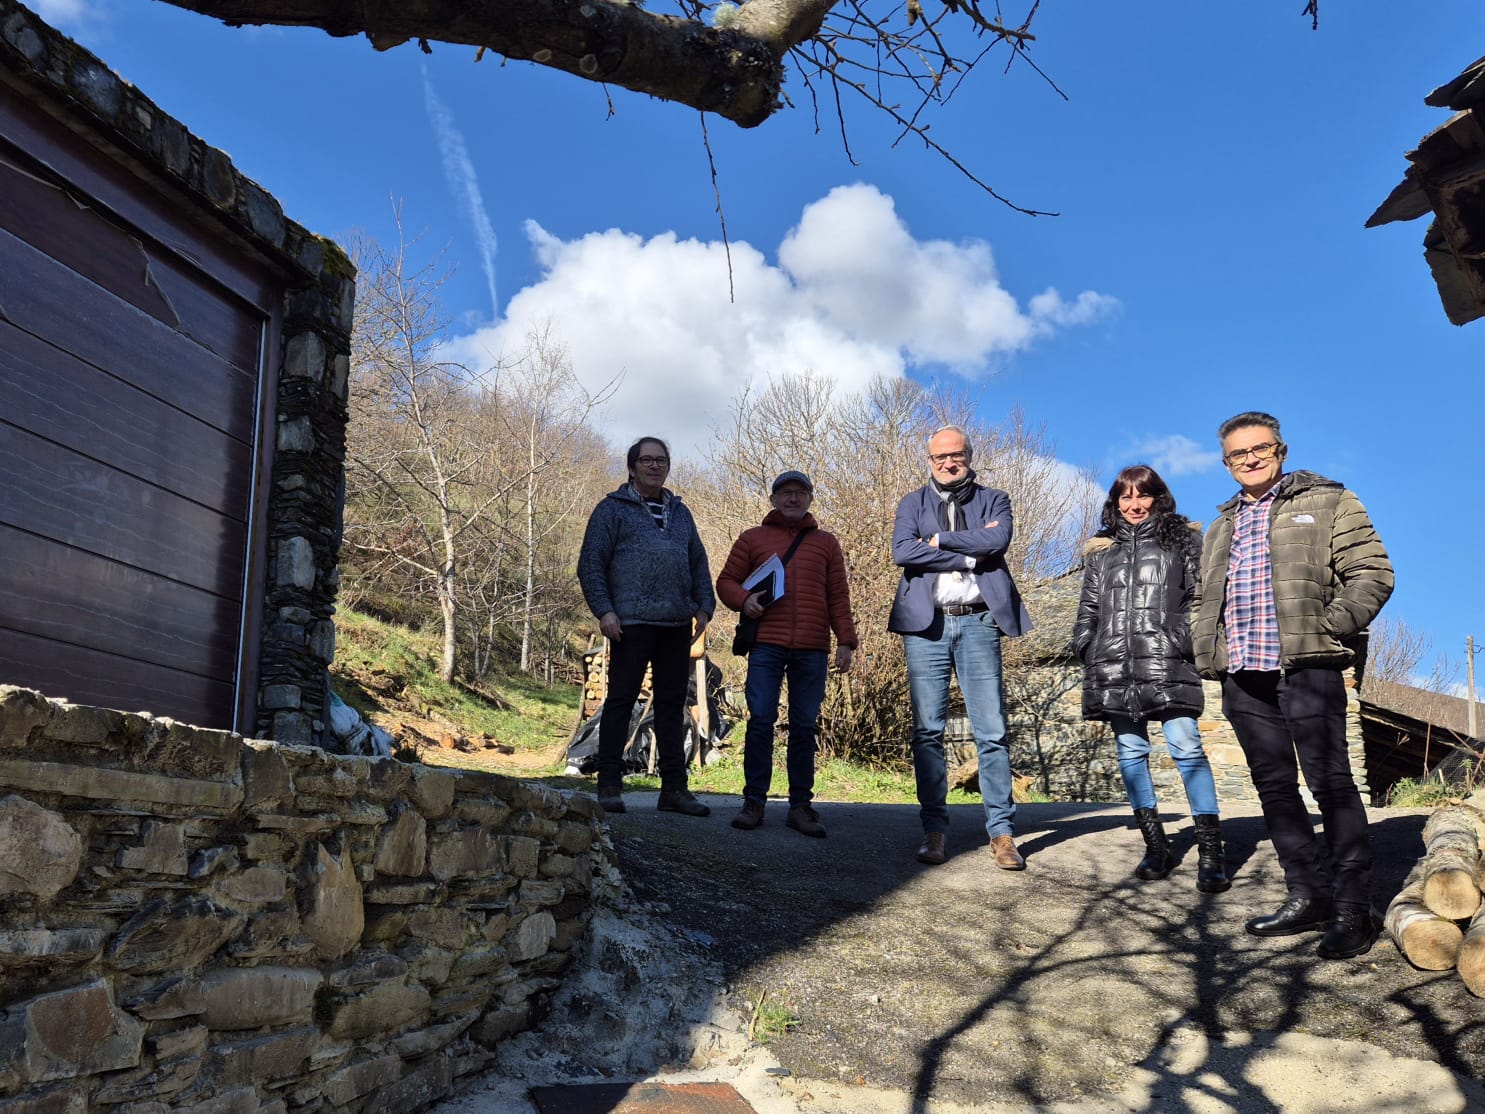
[389,673]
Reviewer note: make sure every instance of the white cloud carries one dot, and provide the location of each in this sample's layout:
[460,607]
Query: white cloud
[463,183]
[852,296]
[1177,455]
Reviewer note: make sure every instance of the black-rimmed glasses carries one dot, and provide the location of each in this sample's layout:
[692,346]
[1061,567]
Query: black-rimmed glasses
[1262,451]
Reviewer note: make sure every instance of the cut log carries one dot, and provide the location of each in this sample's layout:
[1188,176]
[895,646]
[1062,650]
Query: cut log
[1452,836]
[1472,956]
[1428,940]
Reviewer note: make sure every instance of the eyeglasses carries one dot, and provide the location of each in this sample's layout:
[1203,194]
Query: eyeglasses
[943,458]
[1262,451]
[651,461]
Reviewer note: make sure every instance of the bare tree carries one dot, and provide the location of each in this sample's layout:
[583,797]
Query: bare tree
[415,465]
[1401,654]
[541,412]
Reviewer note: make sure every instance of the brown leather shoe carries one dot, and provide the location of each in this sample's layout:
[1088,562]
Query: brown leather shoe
[806,821]
[934,849]
[1006,855]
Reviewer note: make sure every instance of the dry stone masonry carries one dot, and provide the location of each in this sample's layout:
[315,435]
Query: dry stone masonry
[194,921]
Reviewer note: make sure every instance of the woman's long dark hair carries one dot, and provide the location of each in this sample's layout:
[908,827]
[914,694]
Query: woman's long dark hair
[1172,530]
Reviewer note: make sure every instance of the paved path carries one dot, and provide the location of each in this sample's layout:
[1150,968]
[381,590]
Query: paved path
[1067,987]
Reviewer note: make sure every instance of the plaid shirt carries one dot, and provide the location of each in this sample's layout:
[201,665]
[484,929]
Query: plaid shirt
[1248,616]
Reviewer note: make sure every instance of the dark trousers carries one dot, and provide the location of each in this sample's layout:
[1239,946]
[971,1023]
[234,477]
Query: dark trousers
[1278,717]
[667,651]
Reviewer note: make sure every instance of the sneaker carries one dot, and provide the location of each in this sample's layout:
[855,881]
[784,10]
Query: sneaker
[806,821]
[683,801]
[611,798]
[750,817]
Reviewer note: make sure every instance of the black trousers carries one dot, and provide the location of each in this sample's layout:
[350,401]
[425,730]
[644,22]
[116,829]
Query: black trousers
[667,651]
[1278,717]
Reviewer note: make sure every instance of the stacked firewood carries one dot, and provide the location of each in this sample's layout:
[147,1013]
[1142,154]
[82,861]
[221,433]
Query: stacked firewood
[1438,919]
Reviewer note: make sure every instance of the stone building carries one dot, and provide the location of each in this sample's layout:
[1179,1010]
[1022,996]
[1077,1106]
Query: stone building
[173,371]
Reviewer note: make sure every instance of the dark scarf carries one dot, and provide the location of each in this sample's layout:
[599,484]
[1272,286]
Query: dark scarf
[960,492]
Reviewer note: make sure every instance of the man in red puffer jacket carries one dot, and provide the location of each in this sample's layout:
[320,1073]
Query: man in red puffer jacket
[793,641]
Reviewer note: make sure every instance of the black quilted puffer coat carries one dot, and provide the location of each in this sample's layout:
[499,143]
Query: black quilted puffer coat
[1133,633]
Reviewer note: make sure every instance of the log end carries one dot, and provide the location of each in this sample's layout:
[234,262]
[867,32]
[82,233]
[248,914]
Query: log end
[1432,945]
[1452,894]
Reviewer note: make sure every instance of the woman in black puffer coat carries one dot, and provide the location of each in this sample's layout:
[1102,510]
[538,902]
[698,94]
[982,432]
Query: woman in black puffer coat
[1133,636]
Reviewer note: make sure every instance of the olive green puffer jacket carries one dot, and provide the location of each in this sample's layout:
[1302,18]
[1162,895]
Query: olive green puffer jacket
[1331,576]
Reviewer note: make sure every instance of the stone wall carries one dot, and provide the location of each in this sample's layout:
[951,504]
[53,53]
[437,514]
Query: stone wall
[1072,759]
[194,921]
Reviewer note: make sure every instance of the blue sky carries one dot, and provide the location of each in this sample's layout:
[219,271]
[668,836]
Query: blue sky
[1212,169]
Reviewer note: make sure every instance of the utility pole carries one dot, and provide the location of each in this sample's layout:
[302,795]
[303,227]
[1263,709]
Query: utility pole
[1469,673]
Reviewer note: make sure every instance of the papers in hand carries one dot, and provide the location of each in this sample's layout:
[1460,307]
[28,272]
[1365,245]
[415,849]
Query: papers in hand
[769,577]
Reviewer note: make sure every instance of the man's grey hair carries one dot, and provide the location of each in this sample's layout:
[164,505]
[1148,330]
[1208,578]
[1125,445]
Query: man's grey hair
[1250,418]
[959,429]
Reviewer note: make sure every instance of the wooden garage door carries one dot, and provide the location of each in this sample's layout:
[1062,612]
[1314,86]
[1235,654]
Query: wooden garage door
[130,410]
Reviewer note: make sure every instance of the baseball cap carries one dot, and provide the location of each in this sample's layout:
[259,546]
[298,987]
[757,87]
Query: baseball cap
[793,477]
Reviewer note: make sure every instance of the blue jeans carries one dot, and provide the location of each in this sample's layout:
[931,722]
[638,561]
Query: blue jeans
[767,668]
[1183,740]
[967,646]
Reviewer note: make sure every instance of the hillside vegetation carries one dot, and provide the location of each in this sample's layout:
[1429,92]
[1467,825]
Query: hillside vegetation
[514,724]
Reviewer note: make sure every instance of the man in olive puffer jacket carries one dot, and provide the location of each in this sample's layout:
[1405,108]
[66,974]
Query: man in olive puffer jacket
[1292,574]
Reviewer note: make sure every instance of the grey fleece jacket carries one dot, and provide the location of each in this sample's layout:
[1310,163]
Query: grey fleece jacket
[642,572]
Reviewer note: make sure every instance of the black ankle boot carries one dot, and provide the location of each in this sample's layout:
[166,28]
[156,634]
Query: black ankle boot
[1158,860]
[1211,867]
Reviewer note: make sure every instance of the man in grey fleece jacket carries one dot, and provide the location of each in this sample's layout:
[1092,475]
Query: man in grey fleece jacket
[644,574]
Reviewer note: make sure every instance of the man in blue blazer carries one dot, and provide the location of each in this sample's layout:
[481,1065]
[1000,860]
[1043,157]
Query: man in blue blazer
[954,603]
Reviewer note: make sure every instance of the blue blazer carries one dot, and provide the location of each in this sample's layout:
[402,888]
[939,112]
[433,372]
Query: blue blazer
[920,515]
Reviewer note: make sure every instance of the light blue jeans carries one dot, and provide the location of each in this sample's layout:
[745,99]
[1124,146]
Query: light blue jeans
[967,646]
[1183,740]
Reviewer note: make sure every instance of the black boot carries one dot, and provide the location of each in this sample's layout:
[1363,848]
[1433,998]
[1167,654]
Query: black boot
[1211,868]
[1158,860]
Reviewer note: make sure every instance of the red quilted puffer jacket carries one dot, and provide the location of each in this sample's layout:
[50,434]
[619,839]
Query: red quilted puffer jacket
[817,599]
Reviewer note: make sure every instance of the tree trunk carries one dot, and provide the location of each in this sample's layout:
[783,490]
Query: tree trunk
[527,610]
[1428,940]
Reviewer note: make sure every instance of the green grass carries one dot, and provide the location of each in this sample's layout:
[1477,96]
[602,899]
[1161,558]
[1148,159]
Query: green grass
[1427,792]
[771,1018]
[385,667]
[835,780]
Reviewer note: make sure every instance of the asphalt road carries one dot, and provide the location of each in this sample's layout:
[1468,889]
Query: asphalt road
[1070,986]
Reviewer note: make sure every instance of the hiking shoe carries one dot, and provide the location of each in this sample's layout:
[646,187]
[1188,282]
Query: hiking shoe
[934,848]
[681,800]
[750,817]
[806,821]
[1003,847]
[611,798]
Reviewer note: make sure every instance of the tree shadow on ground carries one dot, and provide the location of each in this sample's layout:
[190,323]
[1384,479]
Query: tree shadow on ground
[967,983]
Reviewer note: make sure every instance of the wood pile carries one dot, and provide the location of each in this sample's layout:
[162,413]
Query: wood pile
[1437,919]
